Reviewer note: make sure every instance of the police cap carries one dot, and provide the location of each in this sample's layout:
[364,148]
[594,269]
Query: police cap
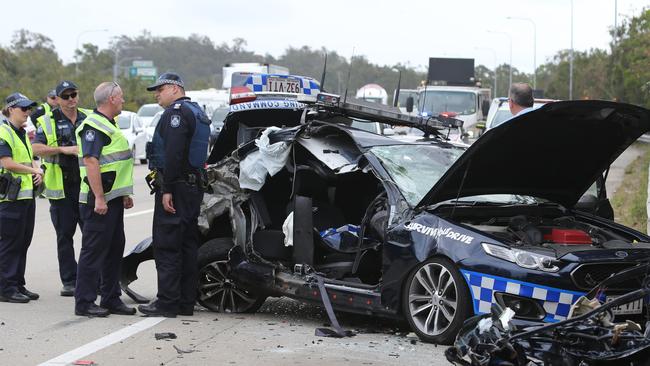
[65,85]
[19,100]
[167,78]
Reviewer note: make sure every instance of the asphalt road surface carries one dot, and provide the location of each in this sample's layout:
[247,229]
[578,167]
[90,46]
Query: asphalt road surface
[47,332]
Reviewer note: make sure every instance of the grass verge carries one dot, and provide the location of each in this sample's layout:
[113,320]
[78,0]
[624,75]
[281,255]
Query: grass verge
[629,201]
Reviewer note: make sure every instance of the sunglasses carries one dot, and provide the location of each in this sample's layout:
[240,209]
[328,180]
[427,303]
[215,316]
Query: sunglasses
[68,96]
[25,109]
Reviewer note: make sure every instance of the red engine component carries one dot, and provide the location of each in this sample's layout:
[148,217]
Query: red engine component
[567,236]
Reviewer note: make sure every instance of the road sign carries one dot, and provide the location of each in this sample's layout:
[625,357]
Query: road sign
[142,63]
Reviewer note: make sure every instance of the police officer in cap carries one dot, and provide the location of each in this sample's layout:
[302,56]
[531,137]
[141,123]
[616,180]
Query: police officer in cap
[45,108]
[178,154]
[55,142]
[106,167]
[19,176]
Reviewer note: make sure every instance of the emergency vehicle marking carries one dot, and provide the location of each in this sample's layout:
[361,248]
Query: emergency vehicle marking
[272,104]
[439,232]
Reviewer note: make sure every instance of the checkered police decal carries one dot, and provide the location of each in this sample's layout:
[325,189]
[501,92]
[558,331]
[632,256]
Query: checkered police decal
[257,83]
[556,302]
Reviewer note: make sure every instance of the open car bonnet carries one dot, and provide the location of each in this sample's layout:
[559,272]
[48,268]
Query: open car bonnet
[554,152]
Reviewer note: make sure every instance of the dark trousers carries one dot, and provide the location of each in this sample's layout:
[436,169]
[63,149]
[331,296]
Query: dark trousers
[65,218]
[16,229]
[175,243]
[102,247]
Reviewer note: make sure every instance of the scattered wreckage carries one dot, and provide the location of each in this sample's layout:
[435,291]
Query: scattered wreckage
[589,336]
[301,204]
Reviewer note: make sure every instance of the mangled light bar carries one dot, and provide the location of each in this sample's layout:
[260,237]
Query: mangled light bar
[374,112]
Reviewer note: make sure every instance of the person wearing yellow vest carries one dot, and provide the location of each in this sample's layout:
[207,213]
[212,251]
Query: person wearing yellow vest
[106,170]
[17,207]
[45,108]
[56,144]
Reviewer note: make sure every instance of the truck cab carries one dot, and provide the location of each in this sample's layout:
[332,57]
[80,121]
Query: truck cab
[467,103]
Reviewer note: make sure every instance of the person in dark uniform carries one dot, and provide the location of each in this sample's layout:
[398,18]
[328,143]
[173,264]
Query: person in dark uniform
[178,153]
[45,108]
[106,170]
[55,142]
[19,175]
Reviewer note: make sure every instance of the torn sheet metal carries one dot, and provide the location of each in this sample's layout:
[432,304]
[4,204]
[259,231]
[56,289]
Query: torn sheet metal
[225,196]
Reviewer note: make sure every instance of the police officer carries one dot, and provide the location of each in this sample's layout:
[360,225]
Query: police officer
[179,150]
[106,168]
[45,108]
[55,142]
[20,175]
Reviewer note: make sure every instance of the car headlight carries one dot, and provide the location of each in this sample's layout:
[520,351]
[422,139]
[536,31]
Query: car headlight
[522,258]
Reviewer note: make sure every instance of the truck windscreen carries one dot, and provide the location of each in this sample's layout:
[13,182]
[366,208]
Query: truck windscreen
[438,101]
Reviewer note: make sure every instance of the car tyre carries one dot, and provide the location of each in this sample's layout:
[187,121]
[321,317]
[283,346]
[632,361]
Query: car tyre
[436,301]
[216,291]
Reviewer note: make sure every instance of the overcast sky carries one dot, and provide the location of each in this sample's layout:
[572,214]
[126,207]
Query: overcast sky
[386,32]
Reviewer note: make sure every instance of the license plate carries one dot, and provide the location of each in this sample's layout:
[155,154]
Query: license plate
[634,307]
[281,85]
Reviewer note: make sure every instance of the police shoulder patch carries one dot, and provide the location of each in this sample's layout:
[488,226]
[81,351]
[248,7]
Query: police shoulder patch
[176,121]
[90,135]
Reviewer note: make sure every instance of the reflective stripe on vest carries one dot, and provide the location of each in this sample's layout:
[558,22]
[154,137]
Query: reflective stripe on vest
[114,157]
[111,158]
[21,154]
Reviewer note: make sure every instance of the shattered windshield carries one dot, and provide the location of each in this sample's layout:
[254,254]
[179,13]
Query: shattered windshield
[416,168]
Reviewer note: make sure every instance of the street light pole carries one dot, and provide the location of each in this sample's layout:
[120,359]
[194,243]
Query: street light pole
[534,47]
[494,53]
[571,58]
[510,66]
[76,65]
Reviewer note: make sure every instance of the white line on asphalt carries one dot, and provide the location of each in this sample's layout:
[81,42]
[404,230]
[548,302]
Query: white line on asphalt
[102,343]
[139,213]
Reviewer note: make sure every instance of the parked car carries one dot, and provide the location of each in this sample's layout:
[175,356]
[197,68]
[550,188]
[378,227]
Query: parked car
[147,112]
[150,128]
[218,116]
[500,111]
[425,231]
[132,128]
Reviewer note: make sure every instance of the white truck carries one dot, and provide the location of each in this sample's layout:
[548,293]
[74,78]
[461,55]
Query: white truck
[467,103]
[253,67]
[373,93]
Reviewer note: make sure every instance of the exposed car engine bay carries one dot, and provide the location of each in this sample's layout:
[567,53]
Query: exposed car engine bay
[553,228]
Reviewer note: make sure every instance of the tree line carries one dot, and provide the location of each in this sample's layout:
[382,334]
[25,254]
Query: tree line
[30,64]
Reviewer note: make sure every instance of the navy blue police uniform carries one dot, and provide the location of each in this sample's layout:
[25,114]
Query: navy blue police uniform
[102,243]
[65,212]
[179,151]
[16,226]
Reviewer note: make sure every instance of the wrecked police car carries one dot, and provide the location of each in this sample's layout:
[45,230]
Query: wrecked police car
[300,204]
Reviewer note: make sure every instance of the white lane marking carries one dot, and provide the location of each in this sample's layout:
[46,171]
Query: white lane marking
[101,343]
[139,213]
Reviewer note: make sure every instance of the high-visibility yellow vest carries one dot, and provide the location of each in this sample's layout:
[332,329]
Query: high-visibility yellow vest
[114,157]
[53,178]
[21,154]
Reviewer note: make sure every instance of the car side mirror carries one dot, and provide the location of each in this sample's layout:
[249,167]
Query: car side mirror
[485,108]
[409,104]
[389,131]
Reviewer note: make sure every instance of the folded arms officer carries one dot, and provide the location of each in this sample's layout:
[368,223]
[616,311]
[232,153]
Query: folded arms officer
[106,167]
[20,175]
[55,142]
[177,154]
